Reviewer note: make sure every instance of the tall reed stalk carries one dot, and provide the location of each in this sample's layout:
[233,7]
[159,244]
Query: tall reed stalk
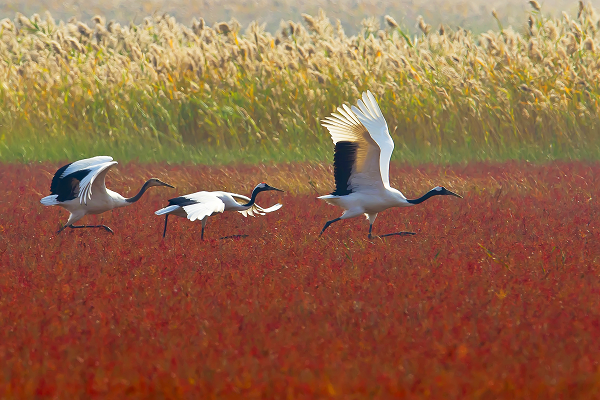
[161,90]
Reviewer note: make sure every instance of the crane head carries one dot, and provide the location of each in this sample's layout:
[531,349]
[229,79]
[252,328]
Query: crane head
[442,191]
[261,187]
[157,182]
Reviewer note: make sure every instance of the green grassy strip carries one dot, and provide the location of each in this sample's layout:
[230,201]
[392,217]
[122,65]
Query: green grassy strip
[70,147]
[225,126]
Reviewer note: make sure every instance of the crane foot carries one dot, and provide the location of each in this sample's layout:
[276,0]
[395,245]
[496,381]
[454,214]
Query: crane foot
[234,236]
[398,234]
[393,234]
[107,229]
[91,226]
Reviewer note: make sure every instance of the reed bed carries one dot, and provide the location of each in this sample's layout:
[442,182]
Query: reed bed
[162,90]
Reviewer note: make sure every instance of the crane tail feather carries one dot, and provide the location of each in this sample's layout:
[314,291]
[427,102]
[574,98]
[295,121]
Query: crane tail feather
[50,200]
[166,210]
[331,199]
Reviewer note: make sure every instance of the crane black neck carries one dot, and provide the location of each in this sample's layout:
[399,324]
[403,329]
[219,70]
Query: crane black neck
[255,192]
[140,193]
[426,196]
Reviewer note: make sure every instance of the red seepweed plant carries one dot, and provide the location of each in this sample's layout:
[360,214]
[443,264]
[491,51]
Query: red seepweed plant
[497,296]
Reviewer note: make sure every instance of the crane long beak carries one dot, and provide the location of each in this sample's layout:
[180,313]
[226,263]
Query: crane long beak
[454,194]
[167,185]
[273,188]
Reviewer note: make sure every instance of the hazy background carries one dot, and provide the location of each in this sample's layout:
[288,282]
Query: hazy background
[472,14]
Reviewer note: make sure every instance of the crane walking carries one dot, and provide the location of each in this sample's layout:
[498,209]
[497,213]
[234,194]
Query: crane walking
[80,188]
[361,162]
[201,205]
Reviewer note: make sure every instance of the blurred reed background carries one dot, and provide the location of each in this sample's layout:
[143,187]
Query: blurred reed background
[469,14]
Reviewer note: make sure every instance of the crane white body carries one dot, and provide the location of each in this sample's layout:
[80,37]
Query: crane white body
[201,205]
[102,202]
[80,188]
[361,163]
[358,203]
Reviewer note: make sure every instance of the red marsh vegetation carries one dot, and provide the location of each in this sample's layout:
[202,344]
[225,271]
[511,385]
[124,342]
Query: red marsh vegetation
[497,296]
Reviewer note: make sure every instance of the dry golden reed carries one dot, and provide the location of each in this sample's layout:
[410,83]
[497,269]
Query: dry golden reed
[161,84]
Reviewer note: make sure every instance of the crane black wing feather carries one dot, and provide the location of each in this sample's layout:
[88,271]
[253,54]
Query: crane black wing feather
[56,179]
[67,188]
[182,201]
[344,158]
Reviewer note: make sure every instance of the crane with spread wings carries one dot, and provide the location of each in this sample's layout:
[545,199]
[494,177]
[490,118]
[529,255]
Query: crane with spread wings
[361,164]
[201,205]
[80,188]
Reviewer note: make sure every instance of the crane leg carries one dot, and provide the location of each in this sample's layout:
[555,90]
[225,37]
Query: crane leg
[165,230]
[398,234]
[203,225]
[371,218]
[329,223]
[91,226]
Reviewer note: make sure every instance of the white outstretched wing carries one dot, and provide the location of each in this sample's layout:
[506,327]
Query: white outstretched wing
[365,173]
[205,204]
[255,209]
[97,174]
[369,114]
[85,164]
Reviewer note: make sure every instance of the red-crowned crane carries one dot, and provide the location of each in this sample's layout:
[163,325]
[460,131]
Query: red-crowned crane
[361,164]
[201,205]
[80,188]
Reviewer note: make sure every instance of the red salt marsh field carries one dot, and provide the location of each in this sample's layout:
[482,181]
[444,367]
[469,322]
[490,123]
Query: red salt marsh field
[497,296]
